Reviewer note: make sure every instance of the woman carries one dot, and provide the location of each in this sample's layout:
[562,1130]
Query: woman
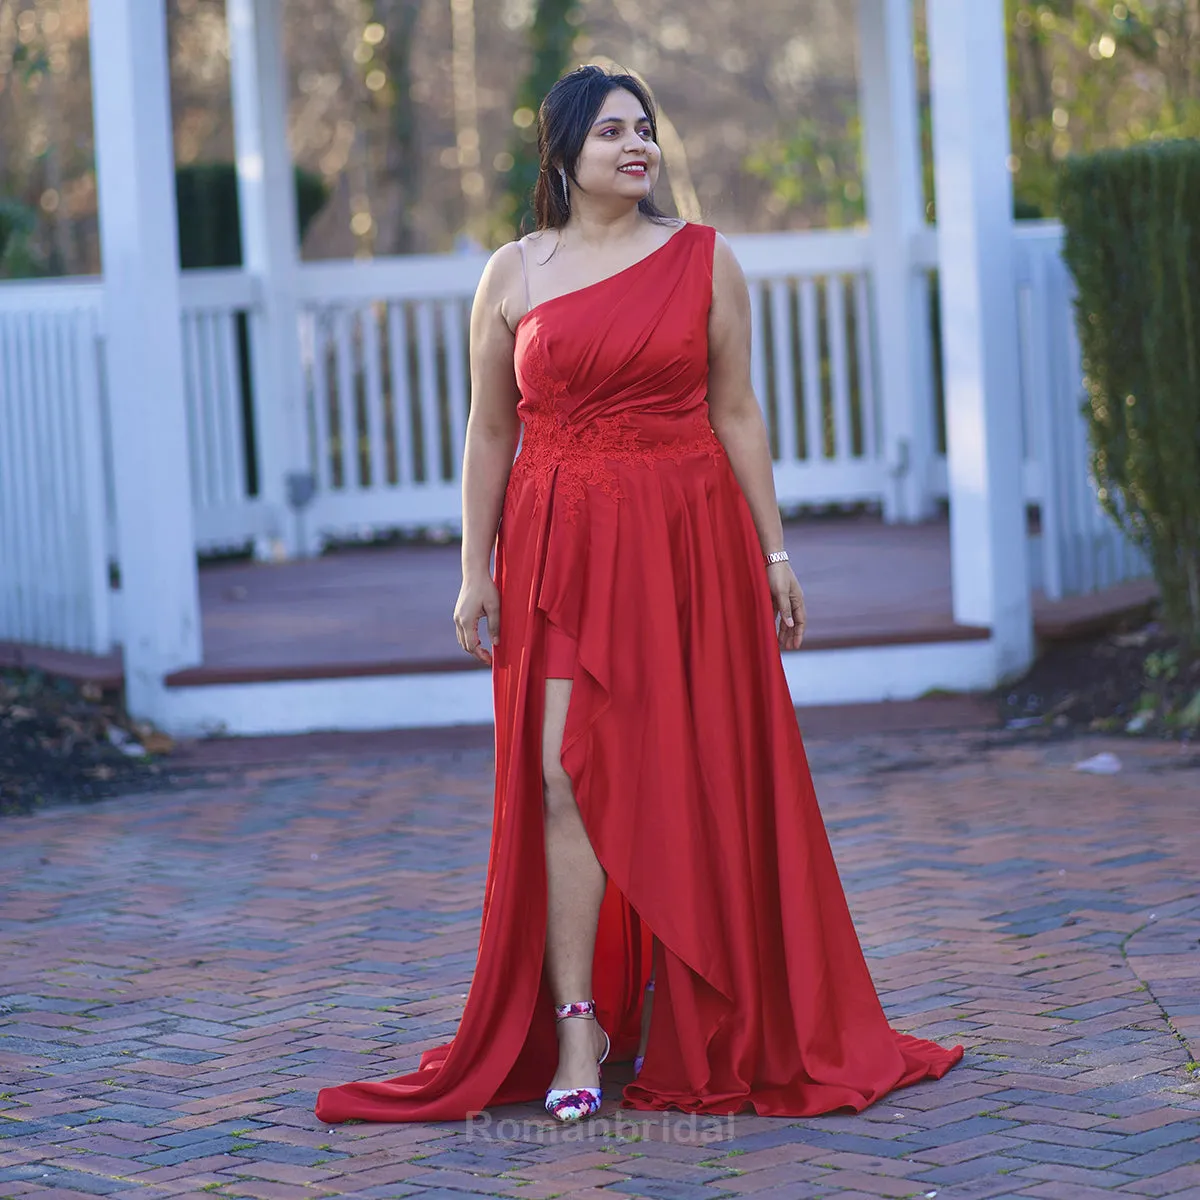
[655,831]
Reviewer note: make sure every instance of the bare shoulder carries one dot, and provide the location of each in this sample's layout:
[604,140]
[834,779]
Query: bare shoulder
[500,288]
[502,268]
[728,280]
[724,259]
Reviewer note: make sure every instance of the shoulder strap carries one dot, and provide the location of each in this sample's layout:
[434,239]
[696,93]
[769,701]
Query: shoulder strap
[525,273]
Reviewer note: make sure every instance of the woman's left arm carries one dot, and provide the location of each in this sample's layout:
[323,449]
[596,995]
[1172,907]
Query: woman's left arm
[737,421]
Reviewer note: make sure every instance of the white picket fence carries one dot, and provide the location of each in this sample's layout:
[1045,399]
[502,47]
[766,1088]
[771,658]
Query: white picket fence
[385,369]
[54,587]
[385,356]
[812,364]
[384,352]
[385,359]
[220,315]
[1079,548]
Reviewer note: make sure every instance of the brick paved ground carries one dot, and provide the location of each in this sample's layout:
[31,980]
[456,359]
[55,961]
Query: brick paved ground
[178,975]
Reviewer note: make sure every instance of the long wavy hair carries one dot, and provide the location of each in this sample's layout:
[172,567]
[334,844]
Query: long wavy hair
[565,118]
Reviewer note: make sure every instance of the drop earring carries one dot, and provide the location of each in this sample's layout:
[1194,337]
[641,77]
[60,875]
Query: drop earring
[562,174]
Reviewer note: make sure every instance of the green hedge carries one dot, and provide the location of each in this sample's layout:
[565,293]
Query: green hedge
[1132,221]
[207,202]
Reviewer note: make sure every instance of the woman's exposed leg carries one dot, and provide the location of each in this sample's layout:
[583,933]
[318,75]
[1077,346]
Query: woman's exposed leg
[575,887]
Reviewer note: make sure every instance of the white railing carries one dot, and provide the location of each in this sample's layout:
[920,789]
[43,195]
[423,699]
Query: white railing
[384,351]
[1079,549]
[384,356]
[220,309]
[812,364]
[384,346]
[54,562]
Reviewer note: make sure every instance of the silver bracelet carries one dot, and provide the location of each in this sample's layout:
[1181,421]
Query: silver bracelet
[776,556]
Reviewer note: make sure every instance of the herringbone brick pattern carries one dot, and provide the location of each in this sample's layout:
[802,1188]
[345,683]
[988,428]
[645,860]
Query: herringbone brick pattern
[180,973]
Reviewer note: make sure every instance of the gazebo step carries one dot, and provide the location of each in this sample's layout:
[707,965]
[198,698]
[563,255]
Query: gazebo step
[212,674]
[1094,613]
[1062,620]
[104,671]
[958,712]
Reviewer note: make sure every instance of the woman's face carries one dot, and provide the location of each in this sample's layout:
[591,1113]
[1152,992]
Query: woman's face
[618,158]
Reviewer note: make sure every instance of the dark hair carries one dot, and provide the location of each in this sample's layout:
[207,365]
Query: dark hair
[564,121]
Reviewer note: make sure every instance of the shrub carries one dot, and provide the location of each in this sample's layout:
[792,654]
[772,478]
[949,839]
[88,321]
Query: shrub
[207,202]
[1132,221]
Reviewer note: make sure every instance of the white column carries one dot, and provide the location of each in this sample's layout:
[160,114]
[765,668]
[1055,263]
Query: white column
[973,192]
[270,251]
[160,609]
[895,210]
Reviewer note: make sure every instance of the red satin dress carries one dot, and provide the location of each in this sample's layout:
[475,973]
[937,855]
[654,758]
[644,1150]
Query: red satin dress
[627,545]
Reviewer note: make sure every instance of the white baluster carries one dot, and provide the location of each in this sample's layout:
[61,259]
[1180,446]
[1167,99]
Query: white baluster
[810,363]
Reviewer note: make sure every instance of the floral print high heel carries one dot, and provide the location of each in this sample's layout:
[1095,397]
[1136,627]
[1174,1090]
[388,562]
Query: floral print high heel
[573,1104]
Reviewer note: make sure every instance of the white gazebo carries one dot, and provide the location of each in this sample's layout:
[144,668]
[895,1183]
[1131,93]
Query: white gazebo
[160,398]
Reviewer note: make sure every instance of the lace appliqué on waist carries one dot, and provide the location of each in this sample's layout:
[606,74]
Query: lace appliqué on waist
[577,458]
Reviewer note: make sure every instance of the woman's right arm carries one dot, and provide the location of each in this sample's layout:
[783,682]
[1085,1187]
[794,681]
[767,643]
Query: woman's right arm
[492,432]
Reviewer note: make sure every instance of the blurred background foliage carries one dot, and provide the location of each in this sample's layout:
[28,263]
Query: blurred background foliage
[1089,76]
[416,117]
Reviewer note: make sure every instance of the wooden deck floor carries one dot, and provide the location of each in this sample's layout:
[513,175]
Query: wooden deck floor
[377,611]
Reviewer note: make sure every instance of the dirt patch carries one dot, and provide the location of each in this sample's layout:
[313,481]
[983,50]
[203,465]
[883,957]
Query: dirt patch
[60,742]
[1134,679]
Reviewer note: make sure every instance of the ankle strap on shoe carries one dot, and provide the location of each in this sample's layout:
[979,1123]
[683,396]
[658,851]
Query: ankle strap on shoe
[581,1008]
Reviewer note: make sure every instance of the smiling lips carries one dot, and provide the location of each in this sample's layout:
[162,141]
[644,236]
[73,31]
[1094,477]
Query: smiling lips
[633,168]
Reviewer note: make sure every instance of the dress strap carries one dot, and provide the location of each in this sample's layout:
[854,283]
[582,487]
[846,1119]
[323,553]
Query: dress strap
[525,273]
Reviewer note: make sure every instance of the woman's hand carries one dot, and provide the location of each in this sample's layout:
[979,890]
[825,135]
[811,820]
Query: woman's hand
[789,604]
[478,598]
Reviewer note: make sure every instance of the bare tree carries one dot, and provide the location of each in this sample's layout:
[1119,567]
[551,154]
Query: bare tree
[401,175]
